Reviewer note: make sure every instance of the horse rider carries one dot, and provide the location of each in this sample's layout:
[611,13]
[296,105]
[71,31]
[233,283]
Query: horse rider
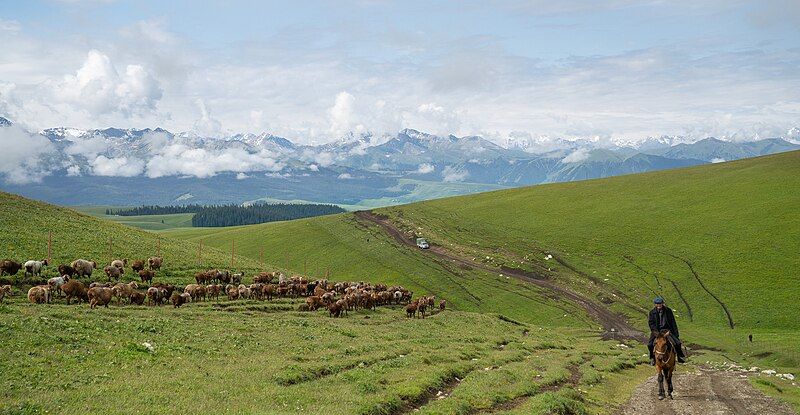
[662,318]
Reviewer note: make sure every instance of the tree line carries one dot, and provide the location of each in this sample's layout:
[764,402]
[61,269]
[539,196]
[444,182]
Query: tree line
[234,215]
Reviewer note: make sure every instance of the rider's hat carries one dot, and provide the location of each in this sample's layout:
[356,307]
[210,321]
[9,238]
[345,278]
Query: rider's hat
[658,300]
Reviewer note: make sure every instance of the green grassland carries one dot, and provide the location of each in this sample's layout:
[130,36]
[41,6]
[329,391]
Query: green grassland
[254,357]
[622,240]
[27,225]
[146,222]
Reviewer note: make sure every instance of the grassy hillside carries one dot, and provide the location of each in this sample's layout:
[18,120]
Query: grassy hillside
[630,237]
[146,222]
[26,224]
[251,357]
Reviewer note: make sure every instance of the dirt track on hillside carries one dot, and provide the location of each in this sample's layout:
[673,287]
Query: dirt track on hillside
[704,392]
[614,325]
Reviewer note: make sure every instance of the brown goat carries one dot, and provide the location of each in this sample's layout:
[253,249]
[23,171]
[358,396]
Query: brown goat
[146,275]
[137,265]
[75,288]
[99,296]
[5,290]
[137,298]
[155,262]
[112,272]
[9,267]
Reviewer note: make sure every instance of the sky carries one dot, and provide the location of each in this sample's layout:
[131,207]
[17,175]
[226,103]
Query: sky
[316,71]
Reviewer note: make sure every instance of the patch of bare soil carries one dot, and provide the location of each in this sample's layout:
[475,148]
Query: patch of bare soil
[704,392]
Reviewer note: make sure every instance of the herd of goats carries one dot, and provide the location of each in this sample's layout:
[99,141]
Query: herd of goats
[338,298]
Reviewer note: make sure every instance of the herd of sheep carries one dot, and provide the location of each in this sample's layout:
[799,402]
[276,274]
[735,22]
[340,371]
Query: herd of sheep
[337,297]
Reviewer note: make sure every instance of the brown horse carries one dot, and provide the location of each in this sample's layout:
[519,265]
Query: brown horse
[665,362]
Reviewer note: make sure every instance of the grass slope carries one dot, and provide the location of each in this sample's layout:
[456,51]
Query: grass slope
[736,223]
[146,222]
[26,224]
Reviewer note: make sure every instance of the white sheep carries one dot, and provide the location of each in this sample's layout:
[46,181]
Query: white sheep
[34,267]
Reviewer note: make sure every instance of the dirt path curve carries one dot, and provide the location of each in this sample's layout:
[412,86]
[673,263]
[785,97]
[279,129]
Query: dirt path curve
[704,392]
[614,325]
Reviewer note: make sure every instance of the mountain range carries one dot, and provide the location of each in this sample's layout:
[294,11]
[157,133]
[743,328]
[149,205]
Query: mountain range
[154,166]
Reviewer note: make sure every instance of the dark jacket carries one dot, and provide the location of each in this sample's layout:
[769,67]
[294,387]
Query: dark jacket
[655,324]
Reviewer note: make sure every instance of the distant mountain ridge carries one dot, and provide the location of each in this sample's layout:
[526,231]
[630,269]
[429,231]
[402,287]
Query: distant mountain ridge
[167,167]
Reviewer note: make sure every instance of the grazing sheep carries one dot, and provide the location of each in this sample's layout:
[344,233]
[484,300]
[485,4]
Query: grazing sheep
[236,279]
[213,291]
[264,278]
[65,269]
[203,277]
[269,291]
[5,290]
[9,267]
[421,308]
[314,302]
[153,296]
[179,299]
[39,294]
[137,298]
[83,267]
[335,309]
[57,282]
[442,305]
[112,272]
[222,276]
[146,275]
[411,310]
[166,290]
[120,263]
[99,296]
[155,262]
[137,265]
[232,291]
[35,267]
[244,292]
[124,290]
[75,288]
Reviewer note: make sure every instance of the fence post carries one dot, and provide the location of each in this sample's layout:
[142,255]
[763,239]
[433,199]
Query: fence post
[261,257]
[233,253]
[49,246]
[200,253]
[158,247]
[110,251]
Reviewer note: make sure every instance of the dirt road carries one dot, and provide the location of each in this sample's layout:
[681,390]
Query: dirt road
[704,392]
[614,325]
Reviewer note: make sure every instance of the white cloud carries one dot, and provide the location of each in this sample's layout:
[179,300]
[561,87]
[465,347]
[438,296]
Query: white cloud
[73,171]
[207,125]
[23,158]
[117,167]
[342,115]
[241,176]
[313,167]
[345,176]
[451,174]
[718,160]
[180,159]
[577,156]
[97,88]
[426,168]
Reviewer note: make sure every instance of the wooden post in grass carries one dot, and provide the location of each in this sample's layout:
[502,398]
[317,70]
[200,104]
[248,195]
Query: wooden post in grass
[158,247]
[305,265]
[110,251]
[233,253]
[49,246]
[261,257]
[200,253]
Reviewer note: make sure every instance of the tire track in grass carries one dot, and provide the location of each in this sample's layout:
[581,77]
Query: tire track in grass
[615,325]
[700,281]
[680,295]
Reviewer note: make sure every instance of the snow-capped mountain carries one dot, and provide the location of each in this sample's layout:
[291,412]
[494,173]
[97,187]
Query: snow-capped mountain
[348,170]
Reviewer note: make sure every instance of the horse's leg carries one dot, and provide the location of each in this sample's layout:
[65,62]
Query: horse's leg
[669,381]
[660,384]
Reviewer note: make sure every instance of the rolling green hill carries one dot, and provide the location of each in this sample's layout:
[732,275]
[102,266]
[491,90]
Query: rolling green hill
[27,224]
[146,222]
[720,240]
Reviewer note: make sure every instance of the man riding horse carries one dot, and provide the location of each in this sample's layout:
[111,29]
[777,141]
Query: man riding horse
[662,318]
